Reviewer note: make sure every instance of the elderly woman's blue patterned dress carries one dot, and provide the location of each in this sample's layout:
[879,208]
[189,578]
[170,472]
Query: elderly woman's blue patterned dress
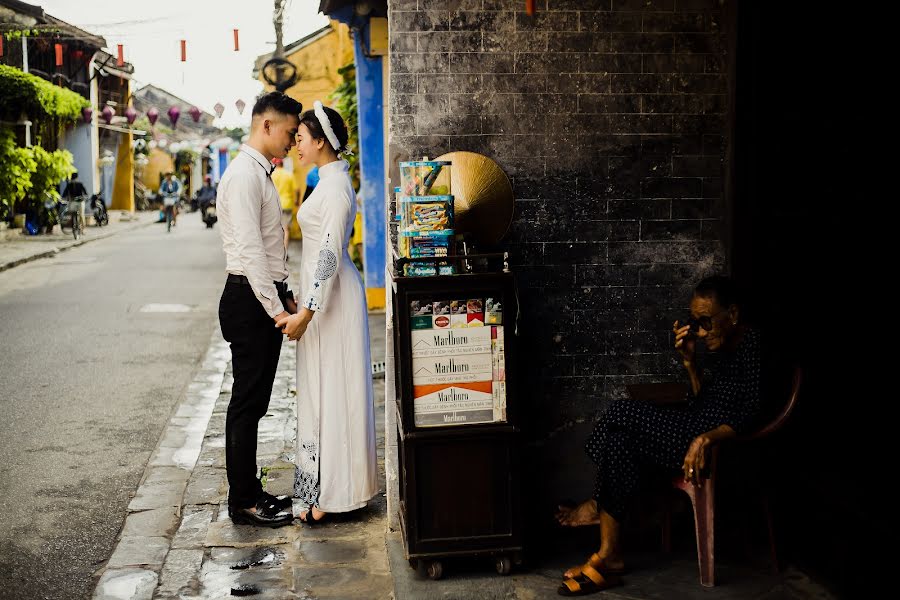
[632,436]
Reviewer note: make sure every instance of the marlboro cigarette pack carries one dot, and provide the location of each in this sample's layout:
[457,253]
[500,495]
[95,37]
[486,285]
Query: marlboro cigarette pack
[457,404]
[467,368]
[450,342]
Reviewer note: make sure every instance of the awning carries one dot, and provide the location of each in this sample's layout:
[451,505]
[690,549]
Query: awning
[122,129]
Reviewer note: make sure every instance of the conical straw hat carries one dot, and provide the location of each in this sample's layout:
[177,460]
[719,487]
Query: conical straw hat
[483,197]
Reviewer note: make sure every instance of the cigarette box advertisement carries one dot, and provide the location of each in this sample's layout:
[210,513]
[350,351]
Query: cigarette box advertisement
[450,342]
[452,369]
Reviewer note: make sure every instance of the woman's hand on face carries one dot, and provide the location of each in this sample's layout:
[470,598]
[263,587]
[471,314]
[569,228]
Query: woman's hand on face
[685,342]
[695,460]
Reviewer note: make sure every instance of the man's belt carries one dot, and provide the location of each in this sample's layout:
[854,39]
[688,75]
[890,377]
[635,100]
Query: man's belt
[281,286]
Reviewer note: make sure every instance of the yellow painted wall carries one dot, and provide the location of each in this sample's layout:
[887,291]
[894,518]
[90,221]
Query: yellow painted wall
[318,64]
[159,162]
[123,184]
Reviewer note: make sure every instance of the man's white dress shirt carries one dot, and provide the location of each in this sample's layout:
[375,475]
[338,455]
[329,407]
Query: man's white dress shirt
[249,211]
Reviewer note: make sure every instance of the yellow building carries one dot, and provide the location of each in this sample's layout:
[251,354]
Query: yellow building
[317,58]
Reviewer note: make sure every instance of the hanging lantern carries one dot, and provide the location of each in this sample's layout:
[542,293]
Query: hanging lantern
[529,7]
[174,113]
[219,109]
[195,113]
[130,114]
[59,52]
[183,50]
[152,115]
[237,45]
[107,114]
[240,104]
[120,61]
[1,42]
[86,113]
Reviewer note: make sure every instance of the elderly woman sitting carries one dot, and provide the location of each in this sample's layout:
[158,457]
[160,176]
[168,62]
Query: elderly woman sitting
[634,437]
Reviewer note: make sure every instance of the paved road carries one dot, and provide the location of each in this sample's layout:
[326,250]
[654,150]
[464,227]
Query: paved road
[87,383]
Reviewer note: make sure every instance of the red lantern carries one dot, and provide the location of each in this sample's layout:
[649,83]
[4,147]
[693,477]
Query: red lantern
[120,61]
[152,115]
[183,50]
[59,52]
[529,7]
[78,54]
[130,115]
[195,113]
[1,43]
[237,45]
[86,113]
[108,114]
[174,113]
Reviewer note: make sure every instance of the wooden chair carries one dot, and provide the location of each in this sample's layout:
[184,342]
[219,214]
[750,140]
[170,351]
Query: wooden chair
[703,497]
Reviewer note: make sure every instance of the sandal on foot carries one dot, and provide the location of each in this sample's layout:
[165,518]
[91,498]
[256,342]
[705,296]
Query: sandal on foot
[590,581]
[599,564]
[311,520]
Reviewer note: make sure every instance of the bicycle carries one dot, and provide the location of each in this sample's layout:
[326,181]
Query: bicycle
[71,217]
[170,216]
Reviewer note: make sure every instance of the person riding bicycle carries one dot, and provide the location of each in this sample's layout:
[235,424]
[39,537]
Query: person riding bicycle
[75,192]
[170,190]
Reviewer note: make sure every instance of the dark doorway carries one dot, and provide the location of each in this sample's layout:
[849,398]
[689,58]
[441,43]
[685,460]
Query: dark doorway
[790,249]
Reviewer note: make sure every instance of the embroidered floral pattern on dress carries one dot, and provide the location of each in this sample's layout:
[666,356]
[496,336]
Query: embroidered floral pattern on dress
[306,479]
[327,264]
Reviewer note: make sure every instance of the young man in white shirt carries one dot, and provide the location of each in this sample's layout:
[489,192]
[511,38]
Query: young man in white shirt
[255,297]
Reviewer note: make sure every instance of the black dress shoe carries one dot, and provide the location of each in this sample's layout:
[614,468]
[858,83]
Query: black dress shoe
[264,516]
[279,503]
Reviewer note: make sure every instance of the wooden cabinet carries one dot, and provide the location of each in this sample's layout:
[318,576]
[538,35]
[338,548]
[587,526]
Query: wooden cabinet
[458,421]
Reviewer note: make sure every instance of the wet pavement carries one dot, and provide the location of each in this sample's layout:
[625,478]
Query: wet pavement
[178,542]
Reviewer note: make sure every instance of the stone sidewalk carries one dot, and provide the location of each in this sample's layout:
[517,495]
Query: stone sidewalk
[178,541]
[16,248]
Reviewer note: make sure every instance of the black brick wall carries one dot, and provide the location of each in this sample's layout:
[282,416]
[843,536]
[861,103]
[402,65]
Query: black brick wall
[610,119]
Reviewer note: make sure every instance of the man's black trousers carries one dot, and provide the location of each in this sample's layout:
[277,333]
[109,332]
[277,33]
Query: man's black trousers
[255,346]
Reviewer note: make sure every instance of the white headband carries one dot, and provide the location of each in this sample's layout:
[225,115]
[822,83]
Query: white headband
[322,116]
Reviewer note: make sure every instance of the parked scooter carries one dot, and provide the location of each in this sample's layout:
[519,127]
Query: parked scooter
[98,207]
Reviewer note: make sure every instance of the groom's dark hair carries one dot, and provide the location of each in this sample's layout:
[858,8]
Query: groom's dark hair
[278,102]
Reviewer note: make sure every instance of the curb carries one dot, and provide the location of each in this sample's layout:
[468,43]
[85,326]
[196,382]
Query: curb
[53,252]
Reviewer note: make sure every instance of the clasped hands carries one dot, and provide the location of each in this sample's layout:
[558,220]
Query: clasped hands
[293,323]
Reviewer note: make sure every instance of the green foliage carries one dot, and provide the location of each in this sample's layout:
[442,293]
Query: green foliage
[20,33]
[143,123]
[184,158]
[24,92]
[50,169]
[344,97]
[15,174]
[29,175]
[236,133]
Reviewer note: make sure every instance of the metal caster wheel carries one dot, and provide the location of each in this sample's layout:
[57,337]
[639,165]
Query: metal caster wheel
[504,565]
[435,570]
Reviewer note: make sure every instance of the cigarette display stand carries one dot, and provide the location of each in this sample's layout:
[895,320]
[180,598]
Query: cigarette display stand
[458,418]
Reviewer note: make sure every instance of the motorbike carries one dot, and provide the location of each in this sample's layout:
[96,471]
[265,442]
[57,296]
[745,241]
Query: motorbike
[98,207]
[208,213]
